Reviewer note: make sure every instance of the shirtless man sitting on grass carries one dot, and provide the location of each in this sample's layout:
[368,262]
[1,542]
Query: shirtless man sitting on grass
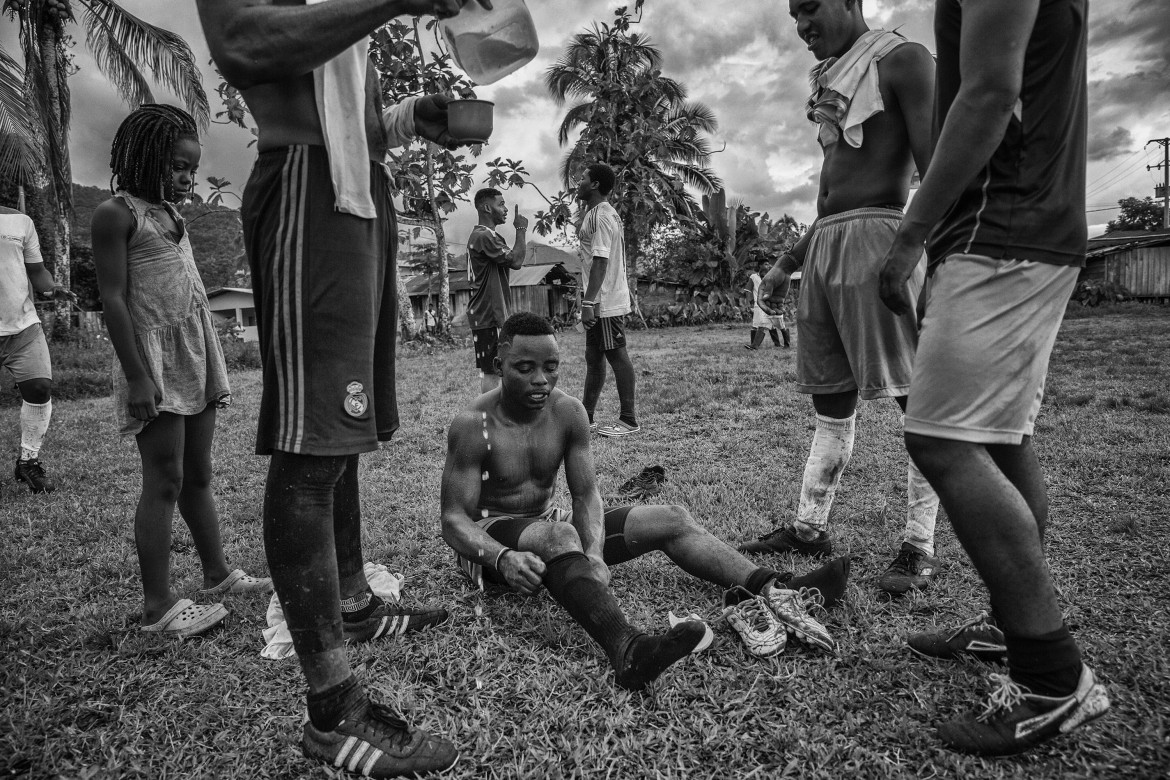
[503,455]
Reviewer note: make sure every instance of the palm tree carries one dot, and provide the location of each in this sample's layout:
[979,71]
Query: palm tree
[636,120]
[35,118]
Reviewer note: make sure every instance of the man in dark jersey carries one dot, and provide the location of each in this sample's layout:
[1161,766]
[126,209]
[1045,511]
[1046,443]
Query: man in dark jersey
[488,264]
[871,100]
[503,456]
[1005,199]
[320,235]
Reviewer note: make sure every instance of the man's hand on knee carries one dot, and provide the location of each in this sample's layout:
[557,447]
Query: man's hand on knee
[523,571]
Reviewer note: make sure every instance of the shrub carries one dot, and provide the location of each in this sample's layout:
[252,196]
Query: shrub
[1093,293]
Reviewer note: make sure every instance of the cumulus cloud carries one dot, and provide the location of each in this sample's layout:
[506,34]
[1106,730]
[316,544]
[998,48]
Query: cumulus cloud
[742,59]
[1105,145]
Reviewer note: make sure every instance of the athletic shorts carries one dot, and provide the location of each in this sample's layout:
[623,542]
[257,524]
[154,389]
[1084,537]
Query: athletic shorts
[486,342]
[26,354]
[507,530]
[988,333]
[607,333]
[326,307]
[849,340]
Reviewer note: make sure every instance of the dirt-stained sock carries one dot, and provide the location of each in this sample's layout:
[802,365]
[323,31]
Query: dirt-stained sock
[649,656]
[830,579]
[329,707]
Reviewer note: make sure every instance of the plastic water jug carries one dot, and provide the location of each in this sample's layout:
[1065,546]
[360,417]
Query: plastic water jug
[488,45]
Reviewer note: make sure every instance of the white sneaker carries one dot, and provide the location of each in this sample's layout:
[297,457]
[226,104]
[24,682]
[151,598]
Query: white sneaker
[791,608]
[761,631]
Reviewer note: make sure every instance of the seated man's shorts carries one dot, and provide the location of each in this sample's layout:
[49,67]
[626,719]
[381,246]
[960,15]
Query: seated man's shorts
[486,342]
[26,354]
[988,333]
[849,340]
[606,333]
[326,307]
[507,530]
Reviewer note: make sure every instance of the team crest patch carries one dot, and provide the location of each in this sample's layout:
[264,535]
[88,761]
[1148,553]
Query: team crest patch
[356,402]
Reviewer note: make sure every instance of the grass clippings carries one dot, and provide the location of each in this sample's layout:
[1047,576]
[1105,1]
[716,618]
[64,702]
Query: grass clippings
[521,689]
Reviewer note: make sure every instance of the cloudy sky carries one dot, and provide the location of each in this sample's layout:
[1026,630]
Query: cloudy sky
[742,59]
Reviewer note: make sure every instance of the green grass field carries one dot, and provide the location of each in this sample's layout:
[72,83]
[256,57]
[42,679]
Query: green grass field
[521,689]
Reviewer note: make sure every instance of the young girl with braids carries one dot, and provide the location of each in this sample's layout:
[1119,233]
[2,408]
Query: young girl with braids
[172,376]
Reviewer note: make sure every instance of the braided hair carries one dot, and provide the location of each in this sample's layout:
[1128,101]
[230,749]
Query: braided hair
[144,147]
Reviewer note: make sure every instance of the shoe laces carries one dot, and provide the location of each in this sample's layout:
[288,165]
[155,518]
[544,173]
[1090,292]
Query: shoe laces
[1006,696]
[905,561]
[812,598]
[752,610]
[773,533]
[389,724]
[982,620]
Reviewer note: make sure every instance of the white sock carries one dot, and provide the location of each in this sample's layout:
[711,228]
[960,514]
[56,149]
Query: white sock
[921,508]
[831,449]
[34,423]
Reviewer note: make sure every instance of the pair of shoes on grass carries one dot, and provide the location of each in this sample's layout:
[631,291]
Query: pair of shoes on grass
[1012,718]
[765,621]
[377,742]
[186,618]
[647,483]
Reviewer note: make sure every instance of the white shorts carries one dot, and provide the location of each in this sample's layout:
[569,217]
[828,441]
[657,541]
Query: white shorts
[984,348]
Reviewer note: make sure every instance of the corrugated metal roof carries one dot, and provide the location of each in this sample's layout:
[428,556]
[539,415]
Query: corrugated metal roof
[1162,239]
[528,275]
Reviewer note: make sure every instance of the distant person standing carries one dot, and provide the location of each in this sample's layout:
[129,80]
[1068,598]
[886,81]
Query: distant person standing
[1003,209]
[429,319]
[23,348]
[607,300]
[489,263]
[763,320]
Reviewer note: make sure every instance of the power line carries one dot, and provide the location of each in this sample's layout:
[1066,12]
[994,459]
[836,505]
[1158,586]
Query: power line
[1116,176]
[1110,172]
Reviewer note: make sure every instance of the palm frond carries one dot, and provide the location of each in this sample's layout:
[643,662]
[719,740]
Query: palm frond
[20,150]
[575,116]
[123,45]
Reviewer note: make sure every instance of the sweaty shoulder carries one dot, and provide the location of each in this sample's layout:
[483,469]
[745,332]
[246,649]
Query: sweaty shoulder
[906,61]
[566,408]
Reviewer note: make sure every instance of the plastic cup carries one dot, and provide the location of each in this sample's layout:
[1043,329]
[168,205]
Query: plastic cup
[470,121]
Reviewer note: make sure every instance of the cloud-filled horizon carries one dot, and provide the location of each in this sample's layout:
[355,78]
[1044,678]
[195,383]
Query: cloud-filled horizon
[745,62]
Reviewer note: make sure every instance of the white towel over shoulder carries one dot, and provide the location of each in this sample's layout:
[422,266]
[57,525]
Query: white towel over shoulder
[845,90]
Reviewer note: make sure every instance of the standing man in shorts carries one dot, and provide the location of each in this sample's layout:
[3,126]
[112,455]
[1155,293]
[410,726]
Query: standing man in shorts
[320,235]
[489,262]
[1003,206]
[607,300]
[23,349]
[872,101]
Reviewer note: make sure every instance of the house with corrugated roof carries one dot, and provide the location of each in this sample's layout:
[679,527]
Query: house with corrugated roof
[1138,260]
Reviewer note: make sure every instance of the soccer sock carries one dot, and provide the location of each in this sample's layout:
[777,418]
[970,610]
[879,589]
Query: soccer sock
[572,584]
[831,449]
[34,424]
[784,333]
[358,607]
[775,334]
[830,580]
[1048,665]
[921,508]
[329,707]
[759,578]
[757,337]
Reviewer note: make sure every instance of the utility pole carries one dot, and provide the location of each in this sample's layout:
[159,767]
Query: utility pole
[1165,166]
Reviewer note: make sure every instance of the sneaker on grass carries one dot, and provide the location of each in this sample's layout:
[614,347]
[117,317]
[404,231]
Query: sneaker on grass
[393,621]
[791,608]
[784,539]
[978,638]
[1014,719]
[618,428]
[375,742]
[645,484]
[912,569]
[32,473]
[761,631]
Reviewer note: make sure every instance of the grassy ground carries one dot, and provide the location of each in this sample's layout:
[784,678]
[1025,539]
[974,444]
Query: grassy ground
[521,689]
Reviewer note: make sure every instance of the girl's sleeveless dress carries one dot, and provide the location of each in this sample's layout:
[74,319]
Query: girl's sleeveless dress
[173,326]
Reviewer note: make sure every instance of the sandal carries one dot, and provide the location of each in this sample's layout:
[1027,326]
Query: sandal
[238,582]
[187,618]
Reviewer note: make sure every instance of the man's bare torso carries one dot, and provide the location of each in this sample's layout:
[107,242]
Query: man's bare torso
[876,174]
[520,466]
